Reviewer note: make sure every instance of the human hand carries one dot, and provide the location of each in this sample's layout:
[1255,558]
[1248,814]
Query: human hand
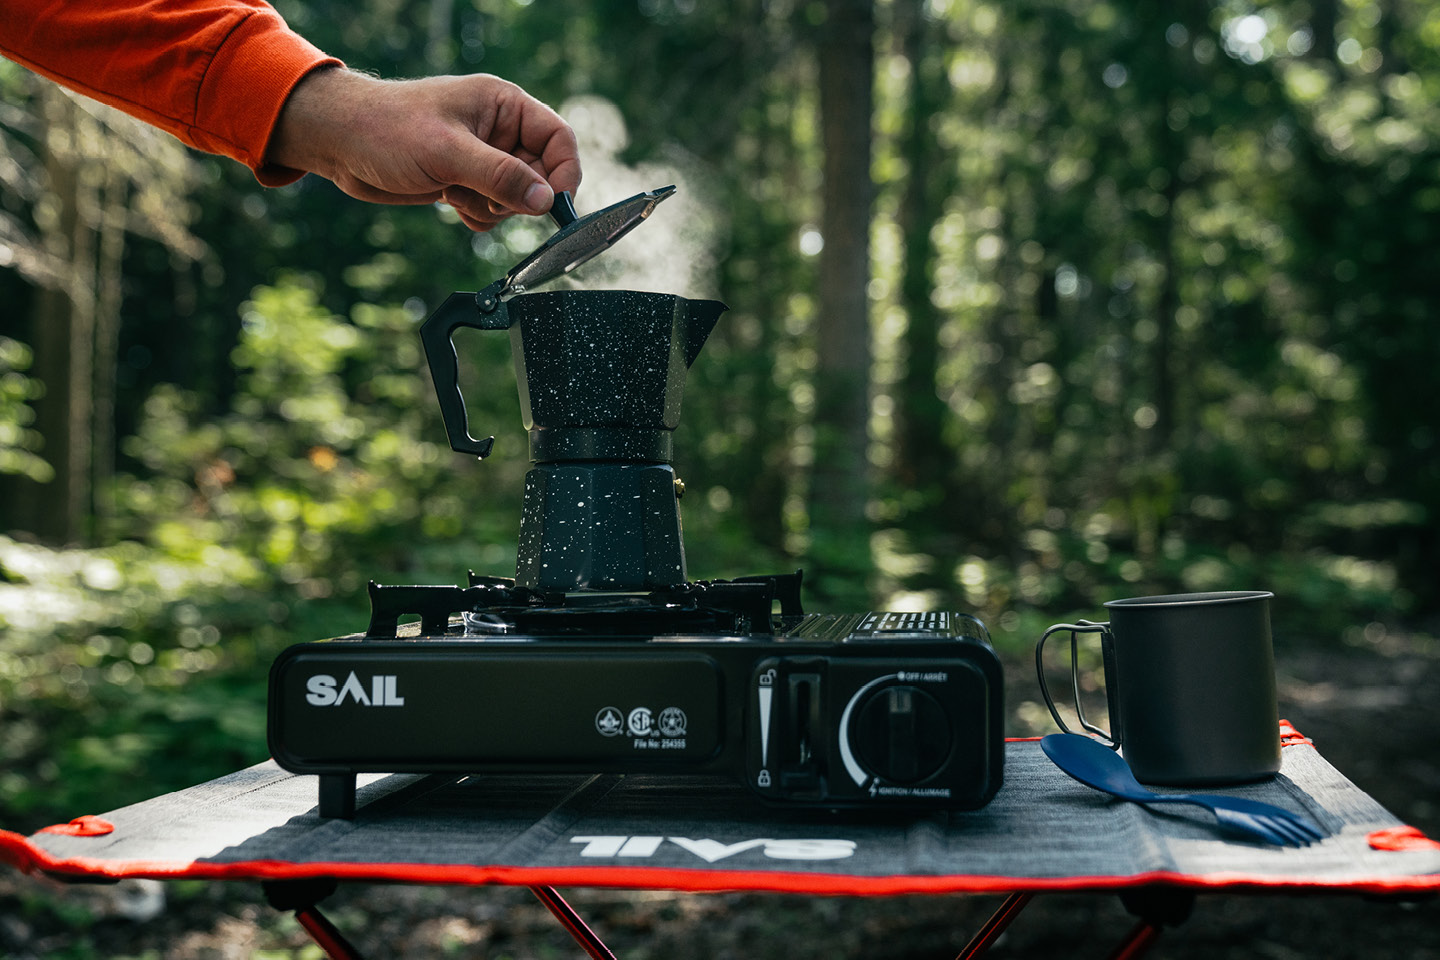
[477,142]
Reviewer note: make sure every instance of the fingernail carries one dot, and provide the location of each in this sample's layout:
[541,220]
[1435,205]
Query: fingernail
[539,198]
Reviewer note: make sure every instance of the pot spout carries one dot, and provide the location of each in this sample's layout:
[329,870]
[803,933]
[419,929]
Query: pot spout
[700,318]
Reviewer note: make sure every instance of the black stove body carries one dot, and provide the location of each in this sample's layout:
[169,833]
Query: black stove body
[878,710]
[600,656]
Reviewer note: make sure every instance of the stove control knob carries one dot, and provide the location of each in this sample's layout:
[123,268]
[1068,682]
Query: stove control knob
[902,734]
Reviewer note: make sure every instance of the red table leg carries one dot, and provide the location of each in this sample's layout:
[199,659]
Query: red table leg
[1157,908]
[572,923]
[323,932]
[301,896]
[1138,942]
[995,926]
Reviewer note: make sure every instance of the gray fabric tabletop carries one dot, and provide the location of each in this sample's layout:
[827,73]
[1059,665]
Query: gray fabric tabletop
[1043,831]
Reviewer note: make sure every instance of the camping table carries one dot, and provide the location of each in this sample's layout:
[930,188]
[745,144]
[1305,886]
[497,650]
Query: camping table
[1043,832]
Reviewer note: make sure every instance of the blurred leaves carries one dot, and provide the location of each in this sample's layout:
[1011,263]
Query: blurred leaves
[1152,297]
[98,699]
[18,441]
[324,466]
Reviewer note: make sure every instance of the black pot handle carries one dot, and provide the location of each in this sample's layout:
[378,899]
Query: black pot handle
[459,310]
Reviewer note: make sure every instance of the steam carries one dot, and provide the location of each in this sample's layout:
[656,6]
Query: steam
[674,250]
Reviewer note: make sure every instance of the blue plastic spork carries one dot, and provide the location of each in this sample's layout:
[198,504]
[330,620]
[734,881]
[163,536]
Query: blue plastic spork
[1096,765]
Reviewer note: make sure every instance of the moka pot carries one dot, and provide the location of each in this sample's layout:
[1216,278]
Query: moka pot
[601,374]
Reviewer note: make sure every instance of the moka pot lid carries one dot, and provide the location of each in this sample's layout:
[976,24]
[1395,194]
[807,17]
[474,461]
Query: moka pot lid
[578,239]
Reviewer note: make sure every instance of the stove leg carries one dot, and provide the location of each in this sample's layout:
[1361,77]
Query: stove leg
[301,896]
[570,920]
[337,796]
[995,926]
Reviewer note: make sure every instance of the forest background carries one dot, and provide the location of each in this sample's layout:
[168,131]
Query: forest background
[1033,305]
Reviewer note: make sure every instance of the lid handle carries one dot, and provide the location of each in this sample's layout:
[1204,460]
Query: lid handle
[563,210]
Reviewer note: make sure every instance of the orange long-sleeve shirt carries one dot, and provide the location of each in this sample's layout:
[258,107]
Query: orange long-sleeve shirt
[214,73]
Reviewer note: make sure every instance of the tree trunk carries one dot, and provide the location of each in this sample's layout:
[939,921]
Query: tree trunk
[922,458]
[99,175]
[1324,18]
[63,322]
[112,215]
[840,482]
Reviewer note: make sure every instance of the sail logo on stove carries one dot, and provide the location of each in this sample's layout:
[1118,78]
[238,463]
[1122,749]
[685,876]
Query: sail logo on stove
[323,690]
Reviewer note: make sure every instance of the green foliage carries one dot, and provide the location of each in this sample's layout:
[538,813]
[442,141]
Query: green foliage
[142,666]
[123,669]
[1151,299]
[1138,329]
[18,443]
[325,464]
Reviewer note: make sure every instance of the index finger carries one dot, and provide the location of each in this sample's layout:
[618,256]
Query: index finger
[538,135]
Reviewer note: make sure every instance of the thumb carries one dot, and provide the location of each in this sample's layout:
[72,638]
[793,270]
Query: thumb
[504,178]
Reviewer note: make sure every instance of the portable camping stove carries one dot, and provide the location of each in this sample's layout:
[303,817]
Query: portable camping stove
[600,656]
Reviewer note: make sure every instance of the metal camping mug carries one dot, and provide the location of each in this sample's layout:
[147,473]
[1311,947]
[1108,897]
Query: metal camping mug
[1189,683]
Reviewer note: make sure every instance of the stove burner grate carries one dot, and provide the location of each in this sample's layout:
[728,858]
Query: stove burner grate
[497,606]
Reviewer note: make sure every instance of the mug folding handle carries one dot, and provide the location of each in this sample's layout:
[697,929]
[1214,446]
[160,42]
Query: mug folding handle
[1084,626]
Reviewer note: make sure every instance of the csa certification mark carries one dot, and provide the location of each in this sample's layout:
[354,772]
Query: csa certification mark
[639,721]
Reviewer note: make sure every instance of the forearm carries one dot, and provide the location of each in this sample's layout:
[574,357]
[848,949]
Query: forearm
[229,77]
[324,114]
[214,73]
